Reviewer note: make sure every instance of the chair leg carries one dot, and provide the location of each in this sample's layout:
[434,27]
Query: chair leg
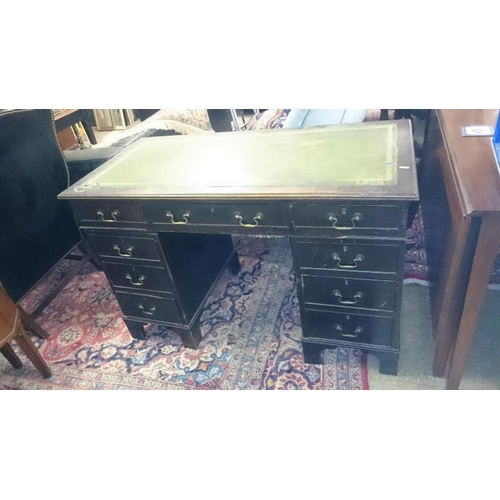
[31,351]
[87,249]
[11,356]
[31,325]
[50,297]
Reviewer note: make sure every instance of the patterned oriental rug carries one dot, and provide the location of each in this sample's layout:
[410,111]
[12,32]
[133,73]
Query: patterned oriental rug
[251,330]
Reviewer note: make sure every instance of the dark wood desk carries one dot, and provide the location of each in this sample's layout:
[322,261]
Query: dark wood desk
[160,215]
[460,189]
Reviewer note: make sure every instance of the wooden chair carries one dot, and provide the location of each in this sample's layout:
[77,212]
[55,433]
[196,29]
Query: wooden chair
[11,328]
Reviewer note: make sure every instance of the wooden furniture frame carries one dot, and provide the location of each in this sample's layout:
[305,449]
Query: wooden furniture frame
[160,216]
[11,328]
[461,207]
[65,118]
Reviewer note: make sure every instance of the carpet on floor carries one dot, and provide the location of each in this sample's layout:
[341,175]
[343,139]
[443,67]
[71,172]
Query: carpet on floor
[250,325]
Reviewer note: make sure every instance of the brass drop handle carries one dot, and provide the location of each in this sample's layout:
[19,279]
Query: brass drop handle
[349,335]
[338,259]
[114,215]
[149,312]
[127,253]
[357,217]
[139,282]
[348,302]
[258,216]
[185,216]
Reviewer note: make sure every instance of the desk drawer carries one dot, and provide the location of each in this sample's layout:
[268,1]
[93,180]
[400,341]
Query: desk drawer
[347,219]
[125,247]
[238,215]
[355,328]
[150,307]
[348,257]
[349,292]
[109,212]
[138,277]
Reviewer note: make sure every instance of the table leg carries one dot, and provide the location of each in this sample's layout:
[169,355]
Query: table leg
[449,301]
[487,249]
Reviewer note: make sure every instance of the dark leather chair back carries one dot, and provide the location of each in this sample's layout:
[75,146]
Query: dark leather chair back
[36,229]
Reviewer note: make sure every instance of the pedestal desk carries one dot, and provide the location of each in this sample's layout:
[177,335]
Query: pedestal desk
[160,216]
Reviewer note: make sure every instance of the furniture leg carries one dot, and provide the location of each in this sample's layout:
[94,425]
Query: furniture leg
[50,297]
[136,329]
[388,362]
[234,118]
[31,352]
[487,248]
[31,325]
[449,301]
[88,250]
[312,353]
[191,339]
[89,132]
[11,356]
[234,264]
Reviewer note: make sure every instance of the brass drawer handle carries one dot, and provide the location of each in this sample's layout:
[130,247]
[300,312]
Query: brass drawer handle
[185,216]
[348,302]
[149,312]
[114,215]
[338,259]
[258,216]
[349,335]
[139,282]
[128,252]
[357,217]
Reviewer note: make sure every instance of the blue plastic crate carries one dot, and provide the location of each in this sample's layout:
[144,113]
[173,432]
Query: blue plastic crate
[496,140]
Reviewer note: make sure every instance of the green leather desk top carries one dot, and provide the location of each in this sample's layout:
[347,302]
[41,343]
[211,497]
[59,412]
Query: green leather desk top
[369,160]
